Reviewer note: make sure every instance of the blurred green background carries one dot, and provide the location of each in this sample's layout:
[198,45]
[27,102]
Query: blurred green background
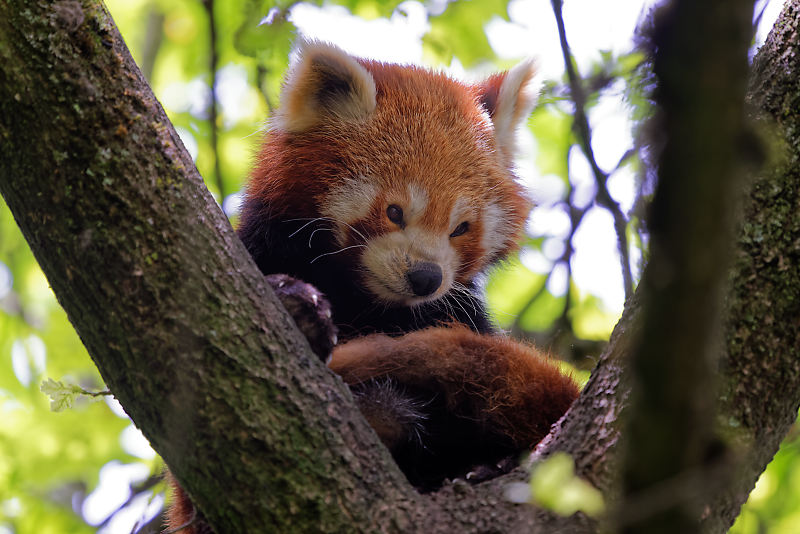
[87,469]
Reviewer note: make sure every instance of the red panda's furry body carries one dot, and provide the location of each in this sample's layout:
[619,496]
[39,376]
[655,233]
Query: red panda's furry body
[390,189]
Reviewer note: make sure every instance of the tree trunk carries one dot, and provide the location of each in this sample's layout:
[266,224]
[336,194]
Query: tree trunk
[192,342]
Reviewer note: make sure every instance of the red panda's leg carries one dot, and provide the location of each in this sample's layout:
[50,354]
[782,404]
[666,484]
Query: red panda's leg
[479,398]
[396,414]
[182,517]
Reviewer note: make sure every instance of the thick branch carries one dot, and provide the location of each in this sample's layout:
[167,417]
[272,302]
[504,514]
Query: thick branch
[760,387]
[700,61]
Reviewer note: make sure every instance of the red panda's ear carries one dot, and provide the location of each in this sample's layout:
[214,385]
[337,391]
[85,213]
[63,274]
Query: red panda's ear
[324,82]
[509,97]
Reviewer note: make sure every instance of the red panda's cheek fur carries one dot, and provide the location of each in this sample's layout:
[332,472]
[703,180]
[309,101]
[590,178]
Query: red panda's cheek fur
[352,209]
[471,254]
[504,221]
[293,173]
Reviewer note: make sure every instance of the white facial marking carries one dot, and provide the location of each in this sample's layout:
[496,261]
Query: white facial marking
[493,240]
[349,202]
[417,202]
[461,211]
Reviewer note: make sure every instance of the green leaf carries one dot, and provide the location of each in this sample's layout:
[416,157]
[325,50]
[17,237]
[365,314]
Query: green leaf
[555,486]
[551,125]
[254,39]
[62,396]
[458,31]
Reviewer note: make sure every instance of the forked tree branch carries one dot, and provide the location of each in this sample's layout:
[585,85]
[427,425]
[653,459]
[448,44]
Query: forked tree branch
[191,340]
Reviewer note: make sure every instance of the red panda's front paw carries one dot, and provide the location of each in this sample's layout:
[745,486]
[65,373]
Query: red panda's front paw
[487,471]
[310,310]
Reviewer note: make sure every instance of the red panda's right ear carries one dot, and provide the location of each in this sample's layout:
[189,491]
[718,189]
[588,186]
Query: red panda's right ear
[324,82]
[509,97]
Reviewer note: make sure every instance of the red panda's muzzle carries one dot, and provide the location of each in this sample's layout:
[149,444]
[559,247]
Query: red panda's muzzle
[424,278]
[408,266]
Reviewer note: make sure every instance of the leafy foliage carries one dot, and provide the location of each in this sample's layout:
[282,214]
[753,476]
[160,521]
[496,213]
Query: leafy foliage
[459,31]
[63,396]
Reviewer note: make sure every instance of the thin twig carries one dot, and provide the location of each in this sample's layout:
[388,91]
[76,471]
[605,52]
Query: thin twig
[136,490]
[575,217]
[102,393]
[214,111]
[583,132]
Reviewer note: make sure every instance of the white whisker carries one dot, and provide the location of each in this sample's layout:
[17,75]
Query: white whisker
[329,219]
[336,252]
[315,231]
[472,300]
[448,306]
[312,221]
[474,326]
[353,228]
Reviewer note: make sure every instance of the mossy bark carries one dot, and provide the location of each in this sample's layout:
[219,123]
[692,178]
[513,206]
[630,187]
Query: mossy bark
[192,342]
[760,387]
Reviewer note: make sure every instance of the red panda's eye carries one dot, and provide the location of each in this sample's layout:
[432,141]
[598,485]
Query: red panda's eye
[395,214]
[460,229]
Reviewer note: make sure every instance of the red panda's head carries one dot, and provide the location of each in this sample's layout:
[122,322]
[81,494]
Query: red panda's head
[411,168]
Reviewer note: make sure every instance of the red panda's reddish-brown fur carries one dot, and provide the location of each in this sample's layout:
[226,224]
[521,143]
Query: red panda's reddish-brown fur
[471,372]
[390,188]
[182,516]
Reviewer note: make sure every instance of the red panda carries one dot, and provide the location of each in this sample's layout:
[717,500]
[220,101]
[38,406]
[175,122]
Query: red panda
[390,189]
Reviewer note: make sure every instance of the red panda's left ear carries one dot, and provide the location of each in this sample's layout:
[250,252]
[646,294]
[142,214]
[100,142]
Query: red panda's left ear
[325,83]
[509,97]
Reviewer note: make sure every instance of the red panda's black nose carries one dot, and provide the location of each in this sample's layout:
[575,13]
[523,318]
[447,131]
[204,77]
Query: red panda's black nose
[425,278]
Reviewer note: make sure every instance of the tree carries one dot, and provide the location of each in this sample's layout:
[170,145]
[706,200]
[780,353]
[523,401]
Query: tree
[190,339]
